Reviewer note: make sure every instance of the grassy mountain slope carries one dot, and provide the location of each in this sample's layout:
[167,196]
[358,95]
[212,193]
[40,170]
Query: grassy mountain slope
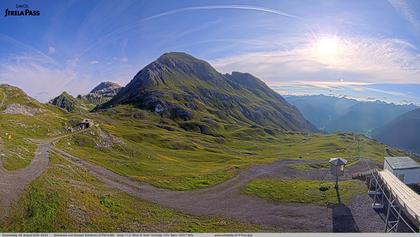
[21,119]
[71,104]
[102,93]
[191,92]
[149,147]
[170,157]
[403,132]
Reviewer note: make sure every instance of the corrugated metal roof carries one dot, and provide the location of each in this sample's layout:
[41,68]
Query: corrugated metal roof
[403,162]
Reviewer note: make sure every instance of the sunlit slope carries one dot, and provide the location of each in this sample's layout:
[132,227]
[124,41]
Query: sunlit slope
[142,145]
[82,104]
[71,104]
[23,118]
[192,93]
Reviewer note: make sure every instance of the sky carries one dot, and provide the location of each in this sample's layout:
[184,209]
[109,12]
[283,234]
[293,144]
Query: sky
[364,49]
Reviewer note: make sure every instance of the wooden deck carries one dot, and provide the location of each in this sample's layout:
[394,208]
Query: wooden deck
[406,197]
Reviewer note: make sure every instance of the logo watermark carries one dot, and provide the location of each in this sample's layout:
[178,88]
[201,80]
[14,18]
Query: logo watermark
[21,10]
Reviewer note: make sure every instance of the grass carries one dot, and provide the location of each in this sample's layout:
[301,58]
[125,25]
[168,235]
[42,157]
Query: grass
[18,151]
[17,130]
[181,160]
[67,199]
[303,191]
[146,147]
[156,150]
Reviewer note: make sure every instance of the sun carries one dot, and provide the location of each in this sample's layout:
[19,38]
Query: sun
[327,46]
[328,49]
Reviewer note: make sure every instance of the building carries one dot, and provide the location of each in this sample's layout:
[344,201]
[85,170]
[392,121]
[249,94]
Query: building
[405,168]
[86,123]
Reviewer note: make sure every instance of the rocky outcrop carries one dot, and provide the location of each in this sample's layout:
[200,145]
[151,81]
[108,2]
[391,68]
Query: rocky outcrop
[102,93]
[23,110]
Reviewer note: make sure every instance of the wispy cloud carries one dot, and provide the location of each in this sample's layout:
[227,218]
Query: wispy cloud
[358,59]
[109,36]
[28,48]
[35,77]
[410,10]
[216,7]
[349,90]
[123,59]
[51,50]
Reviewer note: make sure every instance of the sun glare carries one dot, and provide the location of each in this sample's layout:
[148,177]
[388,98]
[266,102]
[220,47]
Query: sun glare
[328,49]
[327,46]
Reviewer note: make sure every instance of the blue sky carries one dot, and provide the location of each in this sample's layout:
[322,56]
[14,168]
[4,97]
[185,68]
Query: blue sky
[362,49]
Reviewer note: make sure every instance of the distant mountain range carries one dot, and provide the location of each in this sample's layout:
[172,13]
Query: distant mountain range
[333,114]
[403,132]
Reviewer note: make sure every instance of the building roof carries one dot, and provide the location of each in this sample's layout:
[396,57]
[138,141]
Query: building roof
[403,162]
[338,161]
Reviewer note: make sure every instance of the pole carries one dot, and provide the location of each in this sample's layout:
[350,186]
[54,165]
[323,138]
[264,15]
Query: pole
[336,178]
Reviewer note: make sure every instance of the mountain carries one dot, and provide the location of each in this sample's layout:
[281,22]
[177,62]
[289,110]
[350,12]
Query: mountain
[334,114]
[321,110]
[102,93]
[403,132]
[364,117]
[12,96]
[191,92]
[21,118]
[99,95]
[69,103]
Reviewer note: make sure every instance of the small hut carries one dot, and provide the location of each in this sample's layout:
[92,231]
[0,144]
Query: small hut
[405,168]
[85,124]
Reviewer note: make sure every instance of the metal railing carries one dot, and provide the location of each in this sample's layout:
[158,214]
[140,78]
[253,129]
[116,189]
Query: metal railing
[391,200]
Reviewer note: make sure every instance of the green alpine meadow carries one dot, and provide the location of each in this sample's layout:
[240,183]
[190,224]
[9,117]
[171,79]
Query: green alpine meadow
[123,161]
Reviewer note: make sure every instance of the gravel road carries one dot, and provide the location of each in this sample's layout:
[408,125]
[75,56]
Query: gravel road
[13,183]
[227,200]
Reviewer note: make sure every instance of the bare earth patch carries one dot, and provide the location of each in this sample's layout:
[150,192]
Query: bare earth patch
[23,110]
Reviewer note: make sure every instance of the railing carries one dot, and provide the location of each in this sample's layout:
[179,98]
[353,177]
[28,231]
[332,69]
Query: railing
[374,173]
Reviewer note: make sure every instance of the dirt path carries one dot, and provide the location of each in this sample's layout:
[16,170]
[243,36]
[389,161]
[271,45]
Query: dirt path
[13,183]
[227,200]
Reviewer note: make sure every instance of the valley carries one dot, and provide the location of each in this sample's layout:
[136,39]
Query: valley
[181,148]
[340,114]
[181,118]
